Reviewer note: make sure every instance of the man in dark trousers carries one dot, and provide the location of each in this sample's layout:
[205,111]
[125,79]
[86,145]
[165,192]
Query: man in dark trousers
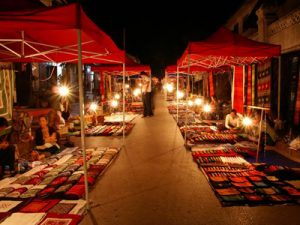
[146,94]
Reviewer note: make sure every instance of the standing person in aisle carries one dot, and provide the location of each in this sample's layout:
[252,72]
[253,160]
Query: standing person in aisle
[146,94]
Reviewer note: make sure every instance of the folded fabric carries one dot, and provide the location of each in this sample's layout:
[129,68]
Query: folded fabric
[46,192]
[65,174]
[75,192]
[74,178]
[62,208]
[6,206]
[38,205]
[79,208]
[47,180]
[253,197]
[22,180]
[62,189]
[34,181]
[242,184]
[5,191]
[41,173]
[255,178]
[221,184]
[279,198]
[238,179]
[218,178]
[246,190]
[232,198]
[91,180]
[272,178]
[58,181]
[24,219]
[72,167]
[294,183]
[260,184]
[16,193]
[291,191]
[30,193]
[61,219]
[268,191]
[227,191]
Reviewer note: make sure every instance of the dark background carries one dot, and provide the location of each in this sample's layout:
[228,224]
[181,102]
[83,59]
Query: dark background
[157,32]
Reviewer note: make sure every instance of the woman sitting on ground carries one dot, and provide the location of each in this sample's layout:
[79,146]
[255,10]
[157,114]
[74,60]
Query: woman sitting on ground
[7,150]
[46,137]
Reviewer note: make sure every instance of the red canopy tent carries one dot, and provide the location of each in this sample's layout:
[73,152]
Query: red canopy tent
[60,34]
[131,68]
[50,35]
[226,48]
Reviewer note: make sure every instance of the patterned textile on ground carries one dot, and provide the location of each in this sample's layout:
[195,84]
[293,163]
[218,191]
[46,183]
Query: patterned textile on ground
[238,182]
[207,134]
[118,117]
[109,129]
[136,107]
[41,189]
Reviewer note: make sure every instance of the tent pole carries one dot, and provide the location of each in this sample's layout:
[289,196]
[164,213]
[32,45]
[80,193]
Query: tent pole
[124,105]
[82,123]
[177,87]
[187,98]
[259,137]
[124,70]
[279,89]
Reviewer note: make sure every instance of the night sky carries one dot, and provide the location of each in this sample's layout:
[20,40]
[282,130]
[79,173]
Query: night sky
[158,33]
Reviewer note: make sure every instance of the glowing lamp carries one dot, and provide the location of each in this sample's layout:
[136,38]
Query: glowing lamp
[117,96]
[247,121]
[63,91]
[198,101]
[207,108]
[140,84]
[93,106]
[137,92]
[180,94]
[114,103]
[170,87]
[126,86]
[190,103]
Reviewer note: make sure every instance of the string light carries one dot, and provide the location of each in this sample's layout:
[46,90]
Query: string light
[190,103]
[170,87]
[114,103]
[247,121]
[180,94]
[93,106]
[207,108]
[198,101]
[117,96]
[63,91]
[137,92]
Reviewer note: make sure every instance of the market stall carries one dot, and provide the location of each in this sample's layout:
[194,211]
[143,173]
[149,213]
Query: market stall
[59,34]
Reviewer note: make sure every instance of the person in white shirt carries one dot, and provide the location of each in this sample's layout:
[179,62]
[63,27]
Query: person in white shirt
[146,95]
[233,120]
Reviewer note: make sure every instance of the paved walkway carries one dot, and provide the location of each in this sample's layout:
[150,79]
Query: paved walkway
[155,182]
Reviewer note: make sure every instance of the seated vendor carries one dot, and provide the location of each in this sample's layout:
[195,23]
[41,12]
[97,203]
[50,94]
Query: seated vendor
[7,150]
[233,120]
[267,131]
[46,137]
